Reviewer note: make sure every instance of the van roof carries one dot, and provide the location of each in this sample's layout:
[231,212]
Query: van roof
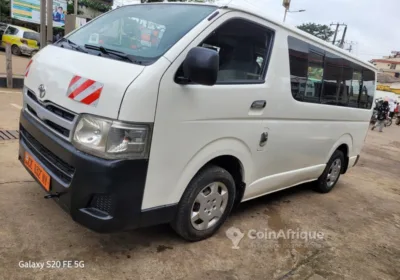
[249,8]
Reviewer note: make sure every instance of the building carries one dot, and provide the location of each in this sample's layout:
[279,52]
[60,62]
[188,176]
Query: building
[389,64]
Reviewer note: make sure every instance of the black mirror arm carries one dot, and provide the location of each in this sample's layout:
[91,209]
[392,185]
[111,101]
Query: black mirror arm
[182,80]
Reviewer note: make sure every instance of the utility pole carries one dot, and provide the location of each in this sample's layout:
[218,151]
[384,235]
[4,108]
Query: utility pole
[284,17]
[43,23]
[286,4]
[344,36]
[336,31]
[76,7]
[351,43]
[341,42]
[350,48]
[49,22]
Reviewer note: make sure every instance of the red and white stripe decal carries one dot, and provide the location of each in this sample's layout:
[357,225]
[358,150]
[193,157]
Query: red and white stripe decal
[84,90]
[28,67]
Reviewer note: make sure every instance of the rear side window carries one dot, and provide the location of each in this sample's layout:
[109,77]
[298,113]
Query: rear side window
[11,31]
[31,35]
[319,76]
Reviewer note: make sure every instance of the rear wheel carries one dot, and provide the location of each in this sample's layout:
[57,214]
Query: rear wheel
[15,50]
[206,204]
[331,174]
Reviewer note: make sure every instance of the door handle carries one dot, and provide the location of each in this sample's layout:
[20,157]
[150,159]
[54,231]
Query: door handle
[263,139]
[258,104]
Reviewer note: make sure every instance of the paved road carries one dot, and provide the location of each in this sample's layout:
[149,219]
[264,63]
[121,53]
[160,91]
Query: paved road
[359,220]
[18,64]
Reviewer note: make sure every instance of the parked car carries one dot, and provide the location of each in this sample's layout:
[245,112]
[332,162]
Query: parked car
[22,40]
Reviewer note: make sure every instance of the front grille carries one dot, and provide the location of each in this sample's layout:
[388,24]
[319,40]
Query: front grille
[50,118]
[31,110]
[57,128]
[54,126]
[64,114]
[32,96]
[60,168]
[102,202]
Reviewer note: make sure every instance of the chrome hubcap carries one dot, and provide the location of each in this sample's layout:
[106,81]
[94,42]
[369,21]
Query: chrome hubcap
[334,172]
[209,205]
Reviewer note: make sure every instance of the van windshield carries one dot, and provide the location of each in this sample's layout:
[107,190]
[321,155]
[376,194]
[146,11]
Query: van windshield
[144,32]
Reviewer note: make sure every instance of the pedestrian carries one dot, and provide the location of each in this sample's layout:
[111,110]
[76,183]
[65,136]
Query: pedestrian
[382,112]
[392,107]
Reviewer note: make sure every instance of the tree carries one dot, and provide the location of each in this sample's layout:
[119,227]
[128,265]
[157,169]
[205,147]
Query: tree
[4,10]
[323,32]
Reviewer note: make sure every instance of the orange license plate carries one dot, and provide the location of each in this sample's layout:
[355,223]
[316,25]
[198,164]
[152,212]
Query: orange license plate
[37,170]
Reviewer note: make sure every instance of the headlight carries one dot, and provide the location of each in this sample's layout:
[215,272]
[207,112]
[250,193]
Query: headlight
[111,139]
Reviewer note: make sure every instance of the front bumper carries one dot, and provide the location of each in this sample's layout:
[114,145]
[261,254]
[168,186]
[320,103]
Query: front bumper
[103,195]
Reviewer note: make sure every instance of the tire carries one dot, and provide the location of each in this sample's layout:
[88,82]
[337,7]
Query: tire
[192,201]
[397,121]
[15,50]
[388,122]
[324,184]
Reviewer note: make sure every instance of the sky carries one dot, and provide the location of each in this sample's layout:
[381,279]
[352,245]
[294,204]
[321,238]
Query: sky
[373,25]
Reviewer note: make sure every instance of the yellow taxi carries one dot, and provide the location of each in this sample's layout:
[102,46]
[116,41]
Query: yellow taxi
[23,40]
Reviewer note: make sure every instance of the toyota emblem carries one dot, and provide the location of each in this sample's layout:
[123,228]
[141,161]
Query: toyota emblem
[42,91]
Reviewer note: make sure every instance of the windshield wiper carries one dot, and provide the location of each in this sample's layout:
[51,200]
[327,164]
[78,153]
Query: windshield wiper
[113,52]
[73,45]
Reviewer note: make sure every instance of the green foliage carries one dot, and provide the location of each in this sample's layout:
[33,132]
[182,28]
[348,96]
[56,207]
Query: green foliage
[94,5]
[5,10]
[70,9]
[323,32]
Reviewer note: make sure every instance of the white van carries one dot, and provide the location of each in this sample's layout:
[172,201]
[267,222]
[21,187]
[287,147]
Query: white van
[172,113]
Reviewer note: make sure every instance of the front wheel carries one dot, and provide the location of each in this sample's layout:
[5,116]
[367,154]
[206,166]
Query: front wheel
[331,174]
[15,50]
[388,122]
[397,121]
[206,204]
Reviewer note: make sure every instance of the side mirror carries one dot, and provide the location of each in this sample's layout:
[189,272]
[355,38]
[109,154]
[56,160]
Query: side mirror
[201,66]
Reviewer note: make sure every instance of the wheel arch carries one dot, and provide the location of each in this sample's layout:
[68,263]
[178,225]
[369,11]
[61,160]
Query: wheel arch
[229,153]
[344,144]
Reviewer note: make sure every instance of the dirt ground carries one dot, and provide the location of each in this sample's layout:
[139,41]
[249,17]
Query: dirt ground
[359,221]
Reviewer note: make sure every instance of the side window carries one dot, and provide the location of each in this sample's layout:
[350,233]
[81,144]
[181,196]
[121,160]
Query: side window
[355,86]
[315,74]
[332,84]
[345,92]
[368,89]
[243,47]
[298,57]
[318,76]
[11,31]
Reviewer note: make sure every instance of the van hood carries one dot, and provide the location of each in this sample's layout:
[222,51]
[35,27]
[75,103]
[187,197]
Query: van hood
[80,82]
